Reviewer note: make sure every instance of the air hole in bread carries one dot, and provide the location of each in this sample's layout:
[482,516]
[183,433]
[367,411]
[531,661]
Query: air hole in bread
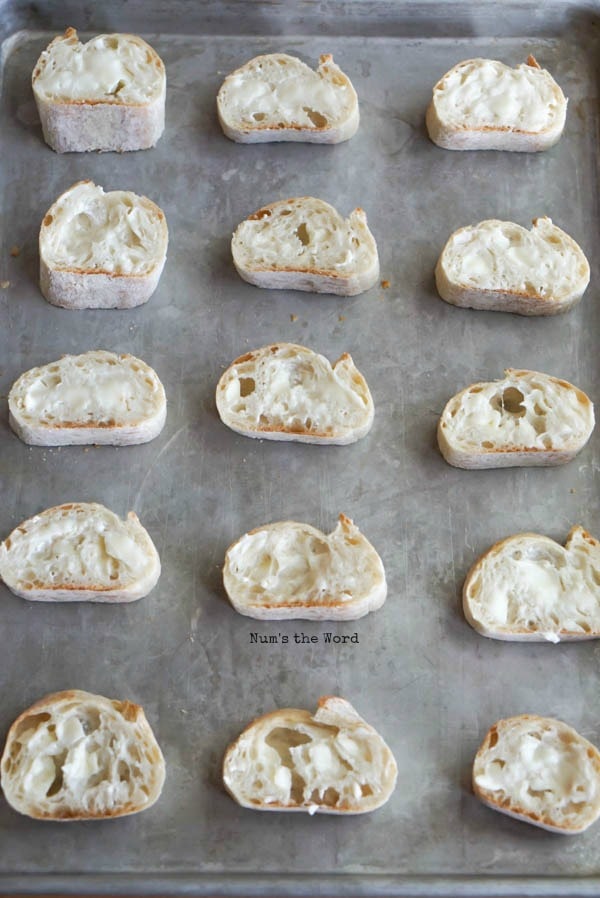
[487,444]
[48,220]
[284,738]
[247,386]
[475,389]
[318,120]
[512,400]
[493,738]
[118,87]
[302,234]
[259,116]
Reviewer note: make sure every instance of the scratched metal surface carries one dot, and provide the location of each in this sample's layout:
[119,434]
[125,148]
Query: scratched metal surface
[418,673]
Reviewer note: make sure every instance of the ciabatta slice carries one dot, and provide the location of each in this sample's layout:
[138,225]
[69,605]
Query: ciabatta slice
[502,267]
[289,392]
[79,552]
[106,94]
[482,104]
[530,588]
[101,250]
[77,756]
[541,771]
[527,418]
[305,244]
[97,397]
[278,97]
[289,570]
[331,762]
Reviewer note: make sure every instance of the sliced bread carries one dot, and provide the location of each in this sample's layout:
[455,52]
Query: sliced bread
[79,552]
[107,94]
[541,771]
[503,267]
[530,588]
[278,97]
[304,244]
[526,418]
[289,570]
[331,762]
[289,392]
[97,397]
[101,250]
[482,104]
[77,756]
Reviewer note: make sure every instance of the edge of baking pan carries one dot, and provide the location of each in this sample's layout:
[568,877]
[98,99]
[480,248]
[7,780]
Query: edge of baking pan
[271,17]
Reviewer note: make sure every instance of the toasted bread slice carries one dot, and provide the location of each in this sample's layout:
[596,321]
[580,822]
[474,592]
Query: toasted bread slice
[289,570]
[482,104]
[107,94]
[278,97]
[101,250]
[78,756]
[304,244]
[79,552]
[331,762]
[530,588]
[526,418]
[502,267]
[288,392]
[97,397]
[541,771]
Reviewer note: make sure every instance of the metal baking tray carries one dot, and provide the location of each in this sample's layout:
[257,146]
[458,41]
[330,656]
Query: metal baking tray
[418,673]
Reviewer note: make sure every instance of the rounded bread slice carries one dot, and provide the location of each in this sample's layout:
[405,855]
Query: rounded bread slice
[526,418]
[529,588]
[101,250]
[303,243]
[106,94]
[503,267]
[79,552]
[288,571]
[97,397]
[77,756]
[541,771]
[278,97]
[289,392]
[331,762]
[482,104]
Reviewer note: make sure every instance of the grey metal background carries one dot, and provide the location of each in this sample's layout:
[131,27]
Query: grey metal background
[419,673]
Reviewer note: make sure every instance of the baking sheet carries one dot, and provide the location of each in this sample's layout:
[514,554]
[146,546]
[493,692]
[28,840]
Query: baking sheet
[418,673]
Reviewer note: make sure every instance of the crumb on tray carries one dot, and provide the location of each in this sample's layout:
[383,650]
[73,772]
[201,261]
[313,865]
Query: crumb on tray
[385,284]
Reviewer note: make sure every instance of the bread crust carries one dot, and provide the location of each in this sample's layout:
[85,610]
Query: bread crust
[290,131]
[506,805]
[267,428]
[335,603]
[466,136]
[468,457]
[333,713]
[51,705]
[529,301]
[311,278]
[80,126]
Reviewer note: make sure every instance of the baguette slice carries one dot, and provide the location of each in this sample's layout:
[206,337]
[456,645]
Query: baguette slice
[541,771]
[527,418]
[288,570]
[101,250]
[482,104]
[107,94]
[278,97]
[288,392]
[331,762]
[80,552]
[529,588]
[304,244]
[78,756]
[502,267]
[98,397]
